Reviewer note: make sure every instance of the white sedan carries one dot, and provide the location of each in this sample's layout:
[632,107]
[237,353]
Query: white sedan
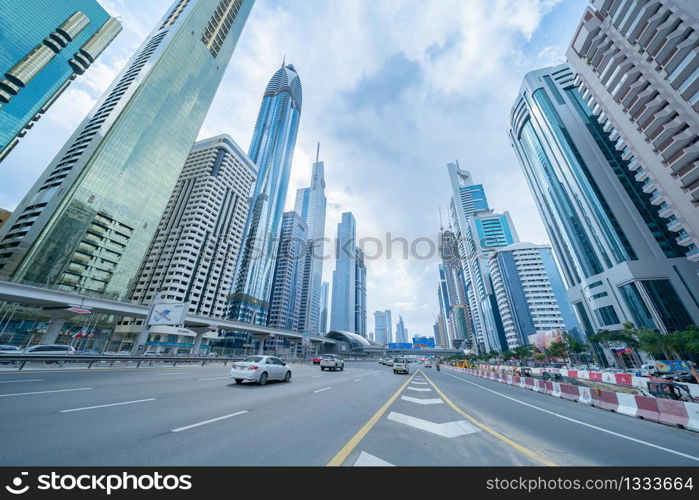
[260,369]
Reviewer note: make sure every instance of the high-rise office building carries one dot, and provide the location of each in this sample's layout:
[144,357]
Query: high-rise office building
[530,294]
[360,312]
[310,205]
[619,259]
[44,46]
[401,331]
[192,257]
[272,150]
[383,327]
[344,295]
[285,301]
[440,332]
[459,328]
[87,223]
[637,67]
[477,229]
[324,308]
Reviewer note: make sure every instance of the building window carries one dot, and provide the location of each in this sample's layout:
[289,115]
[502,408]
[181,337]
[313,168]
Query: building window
[607,316]
[667,304]
[639,311]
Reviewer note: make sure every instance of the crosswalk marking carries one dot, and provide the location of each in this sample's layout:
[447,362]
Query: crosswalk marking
[368,460]
[421,401]
[447,429]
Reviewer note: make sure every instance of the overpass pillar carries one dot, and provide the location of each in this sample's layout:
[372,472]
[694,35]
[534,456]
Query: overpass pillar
[197,342]
[261,339]
[53,331]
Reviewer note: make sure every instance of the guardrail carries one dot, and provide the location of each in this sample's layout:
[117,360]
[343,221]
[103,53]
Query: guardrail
[23,359]
[91,360]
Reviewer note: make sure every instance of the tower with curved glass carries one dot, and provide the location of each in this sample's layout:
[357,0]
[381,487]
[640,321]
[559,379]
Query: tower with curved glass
[272,150]
[620,260]
[86,224]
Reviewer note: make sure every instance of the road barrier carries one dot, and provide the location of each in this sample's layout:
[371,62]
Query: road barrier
[664,411]
[626,379]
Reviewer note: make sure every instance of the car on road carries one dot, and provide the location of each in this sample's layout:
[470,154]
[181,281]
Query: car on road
[316,360]
[331,362]
[9,350]
[428,364]
[50,349]
[260,369]
[400,365]
[388,362]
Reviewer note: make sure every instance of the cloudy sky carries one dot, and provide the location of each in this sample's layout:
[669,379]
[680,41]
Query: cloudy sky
[393,90]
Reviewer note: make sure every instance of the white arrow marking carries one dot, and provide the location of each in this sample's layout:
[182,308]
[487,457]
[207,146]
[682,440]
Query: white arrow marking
[447,429]
[435,401]
[368,460]
[418,389]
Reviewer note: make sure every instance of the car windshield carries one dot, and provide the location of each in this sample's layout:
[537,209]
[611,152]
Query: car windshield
[253,359]
[399,360]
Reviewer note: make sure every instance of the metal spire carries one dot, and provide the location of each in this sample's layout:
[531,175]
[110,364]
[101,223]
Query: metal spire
[318,152]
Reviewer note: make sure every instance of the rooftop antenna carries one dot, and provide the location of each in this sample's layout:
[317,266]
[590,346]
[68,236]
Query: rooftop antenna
[284,61]
[318,152]
[441,223]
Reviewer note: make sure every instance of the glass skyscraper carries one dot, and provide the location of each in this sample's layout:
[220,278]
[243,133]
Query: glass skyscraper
[86,224]
[477,229]
[620,260]
[272,150]
[310,205]
[344,296]
[44,45]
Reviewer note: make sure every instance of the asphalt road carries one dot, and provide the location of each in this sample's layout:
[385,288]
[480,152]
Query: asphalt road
[364,415]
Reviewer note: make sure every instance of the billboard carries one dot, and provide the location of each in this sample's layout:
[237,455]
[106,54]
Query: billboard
[400,345]
[543,340]
[168,314]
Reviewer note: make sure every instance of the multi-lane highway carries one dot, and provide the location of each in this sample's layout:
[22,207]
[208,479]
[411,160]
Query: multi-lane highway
[364,415]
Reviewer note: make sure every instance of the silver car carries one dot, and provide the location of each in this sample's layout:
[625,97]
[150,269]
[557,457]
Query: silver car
[260,369]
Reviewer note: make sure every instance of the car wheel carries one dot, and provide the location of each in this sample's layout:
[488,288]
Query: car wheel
[239,381]
[322,368]
[263,379]
[287,377]
[342,367]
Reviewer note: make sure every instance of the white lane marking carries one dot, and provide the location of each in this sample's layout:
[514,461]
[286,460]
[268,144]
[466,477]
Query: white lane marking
[447,429]
[316,376]
[110,404]
[368,460]
[321,390]
[23,380]
[420,389]
[180,429]
[174,373]
[419,383]
[601,429]
[420,401]
[212,378]
[357,379]
[44,392]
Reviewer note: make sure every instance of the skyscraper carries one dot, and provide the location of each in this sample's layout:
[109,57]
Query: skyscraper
[310,205]
[285,301]
[360,312]
[324,307]
[44,45]
[478,229]
[401,331]
[87,223]
[343,316]
[192,257]
[383,326]
[530,293]
[272,150]
[619,259]
[637,68]
[459,328]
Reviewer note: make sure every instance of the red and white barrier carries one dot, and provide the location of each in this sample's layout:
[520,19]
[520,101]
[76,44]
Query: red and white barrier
[585,396]
[626,404]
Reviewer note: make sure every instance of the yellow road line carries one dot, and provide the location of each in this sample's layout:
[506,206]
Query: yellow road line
[491,431]
[342,455]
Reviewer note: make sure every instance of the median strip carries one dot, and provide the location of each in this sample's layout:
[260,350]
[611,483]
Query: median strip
[180,429]
[106,405]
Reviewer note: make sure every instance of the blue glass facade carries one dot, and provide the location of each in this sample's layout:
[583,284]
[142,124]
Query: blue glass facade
[24,25]
[87,223]
[343,316]
[272,150]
